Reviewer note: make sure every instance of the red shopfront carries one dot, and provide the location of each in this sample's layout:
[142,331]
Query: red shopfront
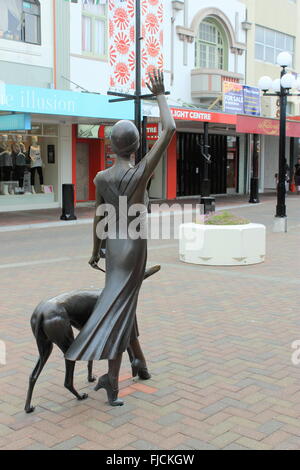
[92,152]
[185,164]
[184,160]
[264,164]
[87,159]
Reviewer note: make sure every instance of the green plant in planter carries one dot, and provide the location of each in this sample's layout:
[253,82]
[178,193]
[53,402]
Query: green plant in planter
[225,218]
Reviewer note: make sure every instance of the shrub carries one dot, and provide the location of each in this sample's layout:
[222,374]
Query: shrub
[225,218]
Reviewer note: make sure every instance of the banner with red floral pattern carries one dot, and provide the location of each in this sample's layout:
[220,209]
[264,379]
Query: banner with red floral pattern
[122,42]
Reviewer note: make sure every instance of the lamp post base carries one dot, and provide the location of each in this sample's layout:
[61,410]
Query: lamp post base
[205,188]
[254,198]
[280,225]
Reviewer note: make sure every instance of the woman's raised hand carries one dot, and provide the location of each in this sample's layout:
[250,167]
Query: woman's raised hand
[157,86]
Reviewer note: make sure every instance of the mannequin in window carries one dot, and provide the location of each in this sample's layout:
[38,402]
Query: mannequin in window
[36,163]
[6,162]
[19,160]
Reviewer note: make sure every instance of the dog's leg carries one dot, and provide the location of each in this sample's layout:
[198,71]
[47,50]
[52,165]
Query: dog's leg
[45,348]
[91,377]
[69,378]
[62,331]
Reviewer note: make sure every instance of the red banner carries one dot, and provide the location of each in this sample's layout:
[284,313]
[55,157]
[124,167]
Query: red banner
[202,116]
[122,42]
[263,126]
[152,131]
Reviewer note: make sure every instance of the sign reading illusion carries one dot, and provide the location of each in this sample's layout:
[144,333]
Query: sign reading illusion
[122,42]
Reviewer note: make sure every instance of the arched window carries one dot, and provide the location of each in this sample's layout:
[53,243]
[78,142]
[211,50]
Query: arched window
[211,46]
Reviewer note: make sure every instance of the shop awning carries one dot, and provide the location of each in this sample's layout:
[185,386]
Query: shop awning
[265,126]
[32,100]
[244,124]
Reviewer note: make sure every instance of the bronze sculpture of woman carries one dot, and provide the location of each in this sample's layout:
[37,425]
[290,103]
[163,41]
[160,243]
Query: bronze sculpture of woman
[112,327]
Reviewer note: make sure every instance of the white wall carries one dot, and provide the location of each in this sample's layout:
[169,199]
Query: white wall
[64,157]
[182,73]
[93,74]
[271,159]
[50,170]
[30,54]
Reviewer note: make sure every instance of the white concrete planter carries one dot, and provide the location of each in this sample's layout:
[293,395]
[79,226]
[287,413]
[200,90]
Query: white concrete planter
[222,245]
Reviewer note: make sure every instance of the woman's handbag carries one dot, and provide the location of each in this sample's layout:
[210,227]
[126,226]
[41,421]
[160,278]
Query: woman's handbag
[292,187]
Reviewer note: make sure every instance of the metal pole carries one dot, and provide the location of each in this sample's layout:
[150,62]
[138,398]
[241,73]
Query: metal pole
[206,182]
[138,88]
[254,198]
[144,136]
[281,207]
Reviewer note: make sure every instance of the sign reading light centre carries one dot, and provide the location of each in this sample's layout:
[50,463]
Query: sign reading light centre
[181,114]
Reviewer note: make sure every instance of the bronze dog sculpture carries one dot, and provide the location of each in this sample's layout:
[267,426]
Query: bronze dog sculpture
[52,322]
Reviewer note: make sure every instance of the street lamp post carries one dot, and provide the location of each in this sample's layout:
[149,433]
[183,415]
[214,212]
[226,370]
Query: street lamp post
[281,88]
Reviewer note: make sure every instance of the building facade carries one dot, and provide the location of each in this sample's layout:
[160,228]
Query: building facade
[37,99]
[272,27]
[58,61]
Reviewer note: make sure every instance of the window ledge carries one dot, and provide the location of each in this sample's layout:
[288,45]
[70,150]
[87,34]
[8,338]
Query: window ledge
[20,47]
[90,57]
[185,34]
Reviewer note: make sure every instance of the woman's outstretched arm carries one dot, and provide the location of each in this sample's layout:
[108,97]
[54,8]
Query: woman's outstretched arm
[168,125]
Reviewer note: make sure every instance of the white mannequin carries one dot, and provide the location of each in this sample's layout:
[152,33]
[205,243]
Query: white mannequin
[5,161]
[19,145]
[36,162]
[19,159]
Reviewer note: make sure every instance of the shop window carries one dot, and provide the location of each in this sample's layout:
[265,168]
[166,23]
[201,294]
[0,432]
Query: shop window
[211,49]
[94,29]
[290,109]
[269,43]
[20,21]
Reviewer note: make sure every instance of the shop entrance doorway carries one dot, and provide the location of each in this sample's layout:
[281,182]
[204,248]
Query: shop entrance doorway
[232,164]
[82,172]
[87,160]
[190,164]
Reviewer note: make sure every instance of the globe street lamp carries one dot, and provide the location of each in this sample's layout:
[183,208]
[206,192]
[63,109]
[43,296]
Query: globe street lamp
[281,87]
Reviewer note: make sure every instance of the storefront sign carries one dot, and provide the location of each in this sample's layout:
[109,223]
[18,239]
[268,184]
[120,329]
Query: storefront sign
[233,98]
[262,126]
[252,103]
[24,99]
[152,131]
[241,99]
[15,122]
[202,116]
[88,131]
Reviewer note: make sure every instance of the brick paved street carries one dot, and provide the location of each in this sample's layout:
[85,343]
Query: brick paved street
[218,343]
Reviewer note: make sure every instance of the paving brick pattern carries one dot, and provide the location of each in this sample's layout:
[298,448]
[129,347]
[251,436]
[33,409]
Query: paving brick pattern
[218,343]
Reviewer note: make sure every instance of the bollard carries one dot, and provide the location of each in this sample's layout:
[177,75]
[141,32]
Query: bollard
[68,202]
[208,205]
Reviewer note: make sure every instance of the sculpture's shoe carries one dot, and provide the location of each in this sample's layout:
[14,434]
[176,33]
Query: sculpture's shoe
[139,368]
[112,394]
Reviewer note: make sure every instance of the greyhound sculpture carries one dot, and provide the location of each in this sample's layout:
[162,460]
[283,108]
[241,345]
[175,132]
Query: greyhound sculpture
[52,322]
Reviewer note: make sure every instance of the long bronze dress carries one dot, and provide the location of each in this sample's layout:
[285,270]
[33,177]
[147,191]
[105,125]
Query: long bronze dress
[112,325]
